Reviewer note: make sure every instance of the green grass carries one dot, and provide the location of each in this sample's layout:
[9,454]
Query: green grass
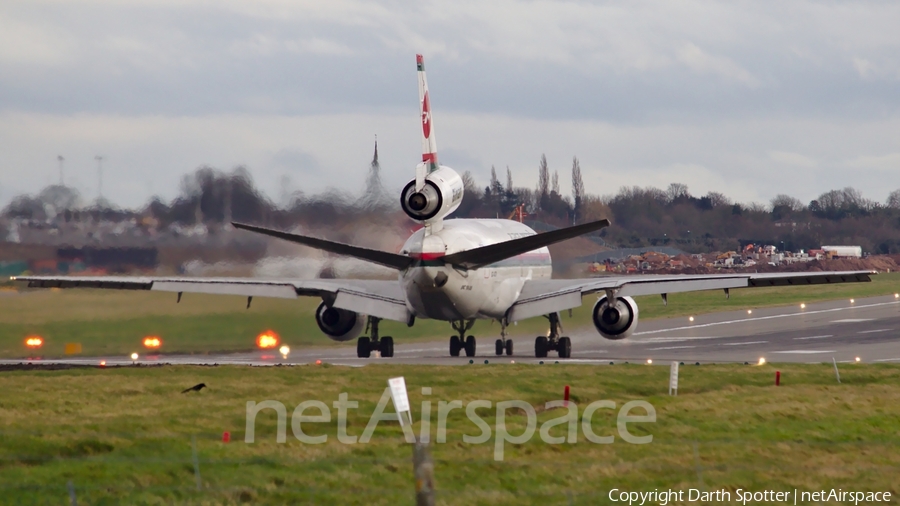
[115,322]
[123,435]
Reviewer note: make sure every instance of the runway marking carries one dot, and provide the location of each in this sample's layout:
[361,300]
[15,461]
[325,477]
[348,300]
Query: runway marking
[417,350]
[804,352]
[872,331]
[812,337]
[677,339]
[743,344]
[853,320]
[671,348]
[758,318]
[585,360]
[887,360]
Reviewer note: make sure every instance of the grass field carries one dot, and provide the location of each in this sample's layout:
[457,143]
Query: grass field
[114,322]
[123,435]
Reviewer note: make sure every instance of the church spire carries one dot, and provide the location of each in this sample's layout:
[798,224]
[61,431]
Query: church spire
[375,158]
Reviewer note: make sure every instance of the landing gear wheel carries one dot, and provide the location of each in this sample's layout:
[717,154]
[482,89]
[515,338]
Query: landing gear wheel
[564,347]
[540,347]
[509,347]
[363,349]
[387,346]
[498,347]
[455,346]
[470,346]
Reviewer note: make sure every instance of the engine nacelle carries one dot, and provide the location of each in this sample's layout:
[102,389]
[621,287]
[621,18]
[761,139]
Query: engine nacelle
[339,324]
[441,195]
[615,321]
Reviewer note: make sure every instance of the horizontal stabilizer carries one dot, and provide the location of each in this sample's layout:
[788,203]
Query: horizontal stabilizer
[486,255]
[391,260]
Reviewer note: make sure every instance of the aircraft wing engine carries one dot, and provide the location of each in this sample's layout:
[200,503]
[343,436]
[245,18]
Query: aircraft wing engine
[615,320]
[339,324]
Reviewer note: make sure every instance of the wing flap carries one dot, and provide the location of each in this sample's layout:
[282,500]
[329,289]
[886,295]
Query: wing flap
[380,298]
[246,289]
[365,303]
[540,297]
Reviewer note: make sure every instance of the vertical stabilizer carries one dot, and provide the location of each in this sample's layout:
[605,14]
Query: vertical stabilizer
[429,145]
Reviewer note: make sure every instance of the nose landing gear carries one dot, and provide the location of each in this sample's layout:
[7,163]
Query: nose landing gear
[461,342]
[503,343]
[545,344]
[366,345]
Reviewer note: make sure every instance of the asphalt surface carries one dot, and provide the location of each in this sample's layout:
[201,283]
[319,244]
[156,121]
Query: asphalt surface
[843,330]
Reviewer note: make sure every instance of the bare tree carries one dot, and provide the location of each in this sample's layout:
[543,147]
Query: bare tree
[509,181]
[577,186]
[893,200]
[787,202]
[495,187]
[554,186]
[543,188]
[717,199]
[676,190]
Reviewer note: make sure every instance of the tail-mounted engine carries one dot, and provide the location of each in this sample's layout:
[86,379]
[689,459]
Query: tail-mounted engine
[440,195]
[339,324]
[617,320]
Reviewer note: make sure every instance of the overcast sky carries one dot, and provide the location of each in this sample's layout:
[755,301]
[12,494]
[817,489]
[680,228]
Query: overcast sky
[750,99]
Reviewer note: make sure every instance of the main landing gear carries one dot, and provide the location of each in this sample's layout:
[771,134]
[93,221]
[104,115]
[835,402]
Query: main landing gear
[366,345]
[503,343]
[461,342]
[562,345]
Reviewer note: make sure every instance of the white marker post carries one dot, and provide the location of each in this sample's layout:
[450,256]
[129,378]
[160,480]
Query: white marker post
[400,398]
[673,379]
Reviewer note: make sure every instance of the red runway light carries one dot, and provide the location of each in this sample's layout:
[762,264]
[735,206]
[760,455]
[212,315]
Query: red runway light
[267,340]
[34,342]
[152,342]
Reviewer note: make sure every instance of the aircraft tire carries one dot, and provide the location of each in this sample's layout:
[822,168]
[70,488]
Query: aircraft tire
[540,347]
[498,347]
[565,347]
[470,346]
[387,346]
[455,346]
[363,347]
[509,347]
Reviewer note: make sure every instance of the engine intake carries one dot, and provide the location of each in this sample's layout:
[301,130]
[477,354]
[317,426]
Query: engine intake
[617,320]
[440,196]
[339,324]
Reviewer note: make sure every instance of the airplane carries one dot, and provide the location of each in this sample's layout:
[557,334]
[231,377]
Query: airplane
[455,270]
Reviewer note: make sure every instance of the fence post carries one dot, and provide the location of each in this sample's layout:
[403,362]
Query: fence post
[196,462]
[423,471]
[73,500]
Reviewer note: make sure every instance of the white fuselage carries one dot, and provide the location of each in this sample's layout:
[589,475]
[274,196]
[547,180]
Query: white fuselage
[487,292]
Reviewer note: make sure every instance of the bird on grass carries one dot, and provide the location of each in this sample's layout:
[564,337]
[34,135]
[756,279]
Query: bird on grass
[195,388]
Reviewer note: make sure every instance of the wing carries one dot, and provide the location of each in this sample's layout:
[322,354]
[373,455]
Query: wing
[383,299]
[541,297]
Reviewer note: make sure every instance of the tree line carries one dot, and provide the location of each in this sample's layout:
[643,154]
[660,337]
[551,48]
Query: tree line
[641,216]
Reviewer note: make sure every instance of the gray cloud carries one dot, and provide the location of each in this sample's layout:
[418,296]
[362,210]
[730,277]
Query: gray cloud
[164,86]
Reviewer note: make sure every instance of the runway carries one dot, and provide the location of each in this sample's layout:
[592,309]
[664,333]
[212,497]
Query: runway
[843,330]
